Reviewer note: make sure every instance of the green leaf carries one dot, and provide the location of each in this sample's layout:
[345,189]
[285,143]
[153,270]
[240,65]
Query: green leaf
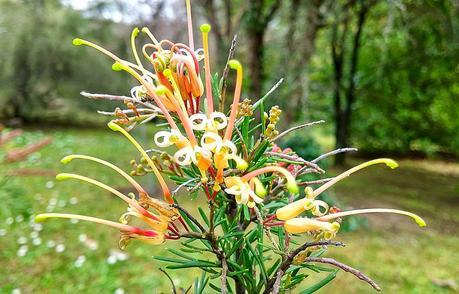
[203,283]
[245,129]
[196,263]
[193,227]
[178,253]
[260,263]
[216,288]
[234,265]
[257,153]
[295,281]
[204,216]
[246,213]
[273,268]
[215,85]
[235,247]
[169,259]
[320,284]
[178,179]
[233,234]
[190,172]
[236,273]
[251,236]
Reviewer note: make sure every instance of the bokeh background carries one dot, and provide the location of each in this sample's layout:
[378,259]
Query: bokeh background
[383,74]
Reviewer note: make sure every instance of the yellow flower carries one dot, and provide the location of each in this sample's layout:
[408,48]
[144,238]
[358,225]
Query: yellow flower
[294,209]
[127,231]
[320,208]
[304,225]
[246,192]
[215,122]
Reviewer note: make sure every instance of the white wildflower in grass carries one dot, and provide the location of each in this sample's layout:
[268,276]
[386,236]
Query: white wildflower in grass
[60,248]
[22,251]
[9,221]
[36,241]
[51,244]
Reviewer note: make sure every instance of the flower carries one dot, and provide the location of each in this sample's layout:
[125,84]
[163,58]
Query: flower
[246,192]
[249,190]
[304,225]
[319,208]
[215,122]
[158,221]
[127,231]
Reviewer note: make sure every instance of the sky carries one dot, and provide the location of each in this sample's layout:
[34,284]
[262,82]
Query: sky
[141,10]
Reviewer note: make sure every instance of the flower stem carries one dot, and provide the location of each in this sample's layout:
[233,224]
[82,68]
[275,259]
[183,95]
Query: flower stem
[166,192]
[134,183]
[416,218]
[389,162]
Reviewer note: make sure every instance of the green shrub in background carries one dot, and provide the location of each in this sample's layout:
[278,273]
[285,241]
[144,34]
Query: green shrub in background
[39,69]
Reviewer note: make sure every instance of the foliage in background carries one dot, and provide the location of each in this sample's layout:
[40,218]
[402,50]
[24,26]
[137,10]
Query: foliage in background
[39,68]
[407,62]
[406,82]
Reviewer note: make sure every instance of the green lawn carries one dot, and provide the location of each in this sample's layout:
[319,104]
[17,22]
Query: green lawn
[399,256]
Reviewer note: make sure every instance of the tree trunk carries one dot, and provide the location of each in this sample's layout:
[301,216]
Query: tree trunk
[256,68]
[300,53]
[343,113]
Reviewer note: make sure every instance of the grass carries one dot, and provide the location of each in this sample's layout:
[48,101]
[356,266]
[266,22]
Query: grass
[399,256]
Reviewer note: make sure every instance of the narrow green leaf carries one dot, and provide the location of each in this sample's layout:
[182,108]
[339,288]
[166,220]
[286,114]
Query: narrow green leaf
[259,151]
[235,247]
[320,284]
[246,213]
[261,265]
[170,259]
[274,267]
[178,253]
[203,216]
[245,129]
[197,263]
[216,288]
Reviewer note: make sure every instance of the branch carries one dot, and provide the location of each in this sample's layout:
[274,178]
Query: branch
[296,159]
[119,98]
[9,136]
[320,181]
[21,153]
[334,152]
[345,268]
[225,74]
[127,111]
[224,288]
[312,244]
[175,205]
[184,185]
[107,97]
[259,101]
[296,128]
[170,279]
[277,282]
[288,261]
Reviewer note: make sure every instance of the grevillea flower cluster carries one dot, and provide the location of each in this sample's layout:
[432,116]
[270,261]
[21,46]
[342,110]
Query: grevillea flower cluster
[255,214]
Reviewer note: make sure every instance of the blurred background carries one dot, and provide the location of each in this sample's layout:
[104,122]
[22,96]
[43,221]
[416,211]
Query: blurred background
[383,74]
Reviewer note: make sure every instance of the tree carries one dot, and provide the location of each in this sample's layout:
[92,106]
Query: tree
[305,19]
[344,31]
